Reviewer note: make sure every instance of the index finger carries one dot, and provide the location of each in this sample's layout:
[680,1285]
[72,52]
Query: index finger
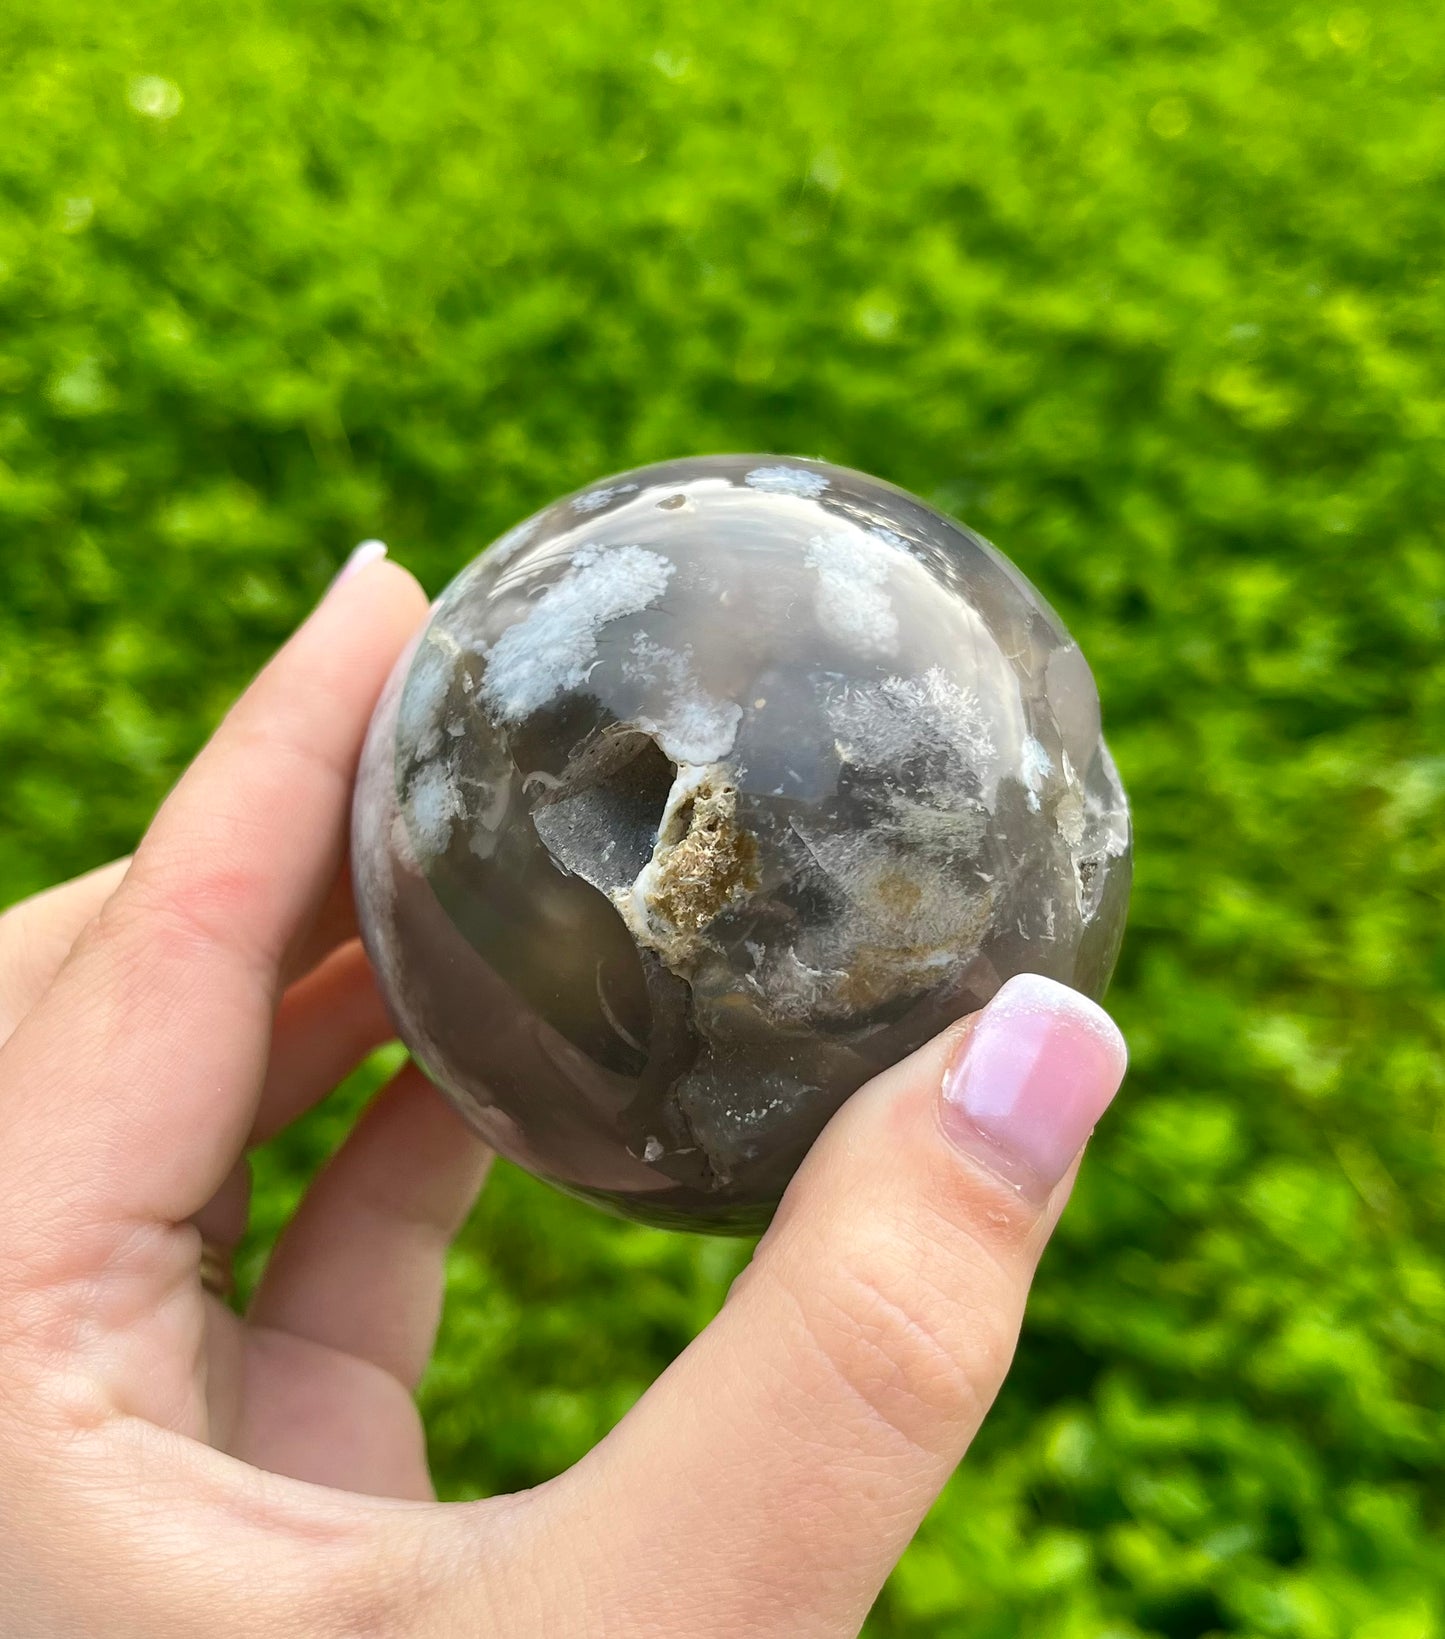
[130,1087]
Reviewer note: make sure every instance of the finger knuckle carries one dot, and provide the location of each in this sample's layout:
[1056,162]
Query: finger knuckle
[170,921]
[921,1354]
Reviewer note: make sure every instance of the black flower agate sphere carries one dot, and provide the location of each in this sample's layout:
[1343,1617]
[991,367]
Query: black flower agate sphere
[707,793]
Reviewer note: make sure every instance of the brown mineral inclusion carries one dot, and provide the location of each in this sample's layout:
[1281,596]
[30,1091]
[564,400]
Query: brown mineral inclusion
[707,793]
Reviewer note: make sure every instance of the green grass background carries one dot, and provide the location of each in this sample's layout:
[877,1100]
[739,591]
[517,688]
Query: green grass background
[1149,291]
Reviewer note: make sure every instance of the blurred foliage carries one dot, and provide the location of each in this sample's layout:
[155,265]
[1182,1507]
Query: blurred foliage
[1151,294]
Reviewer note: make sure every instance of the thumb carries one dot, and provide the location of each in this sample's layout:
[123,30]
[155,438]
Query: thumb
[771,1478]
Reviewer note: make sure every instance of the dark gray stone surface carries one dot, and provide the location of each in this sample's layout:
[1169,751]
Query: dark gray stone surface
[707,793]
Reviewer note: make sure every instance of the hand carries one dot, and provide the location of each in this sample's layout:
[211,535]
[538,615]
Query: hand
[172,1469]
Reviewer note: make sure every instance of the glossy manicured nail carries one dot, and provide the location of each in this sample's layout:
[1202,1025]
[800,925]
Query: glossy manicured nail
[367,553]
[1032,1077]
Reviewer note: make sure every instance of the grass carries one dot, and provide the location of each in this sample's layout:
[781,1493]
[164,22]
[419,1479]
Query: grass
[1149,294]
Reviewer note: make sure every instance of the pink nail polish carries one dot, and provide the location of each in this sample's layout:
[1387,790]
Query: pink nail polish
[1036,1072]
[367,553]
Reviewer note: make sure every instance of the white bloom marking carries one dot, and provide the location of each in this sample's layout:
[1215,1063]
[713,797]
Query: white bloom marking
[553,646]
[787,481]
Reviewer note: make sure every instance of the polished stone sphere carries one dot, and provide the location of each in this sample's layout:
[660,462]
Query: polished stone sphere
[705,794]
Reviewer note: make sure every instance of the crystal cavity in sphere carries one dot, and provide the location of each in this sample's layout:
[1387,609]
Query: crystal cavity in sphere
[705,794]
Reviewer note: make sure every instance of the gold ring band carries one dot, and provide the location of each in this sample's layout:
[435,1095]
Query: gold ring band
[217,1275]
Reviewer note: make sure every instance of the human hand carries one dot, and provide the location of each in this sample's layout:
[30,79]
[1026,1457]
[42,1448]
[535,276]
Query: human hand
[173,1469]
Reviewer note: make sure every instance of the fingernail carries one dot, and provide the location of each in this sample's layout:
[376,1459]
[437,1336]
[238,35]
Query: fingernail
[367,553]
[1035,1073]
